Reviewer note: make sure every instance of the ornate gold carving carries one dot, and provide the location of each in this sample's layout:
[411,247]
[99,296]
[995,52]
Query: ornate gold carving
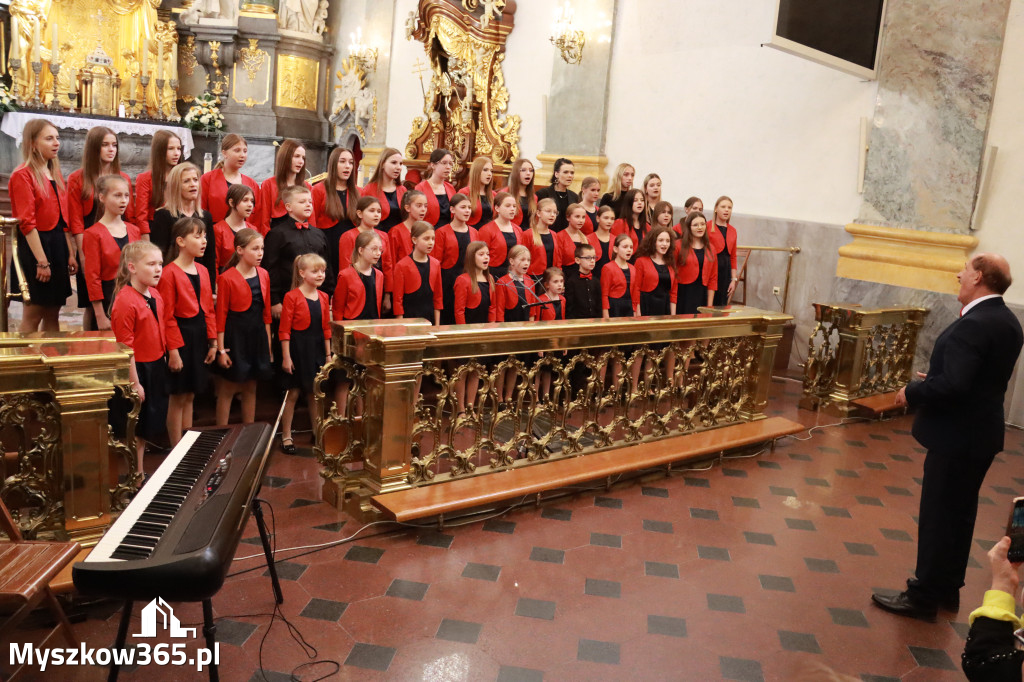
[188,56]
[491,7]
[30,423]
[252,59]
[297,82]
[121,494]
[219,80]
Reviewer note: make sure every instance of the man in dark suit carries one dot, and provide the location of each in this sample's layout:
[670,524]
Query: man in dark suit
[960,420]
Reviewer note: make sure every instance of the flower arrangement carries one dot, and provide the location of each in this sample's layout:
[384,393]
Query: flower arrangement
[205,114]
[6,100]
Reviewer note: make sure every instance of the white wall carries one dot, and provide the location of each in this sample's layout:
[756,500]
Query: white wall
[1001,227]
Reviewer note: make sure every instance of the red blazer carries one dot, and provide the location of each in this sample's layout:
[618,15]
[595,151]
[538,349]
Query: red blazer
[35,206]
[295,314]
[143,191]
[717,243]
[433,208]
[478,212]
[505,295]
[373,190]
[224,242]
[686,272]
[555,311]
[465,298]
[407,281]
[78,207]
[647,277]
[324,221]
[214,193]
[622,227]
[491,234]
[590,227]
[399,241]
[446,246]
[270,207]
[180,299]
[233,293]
[386,264]
[565,248]
[518,218]
[613,285]
[102,257]
[134,325]
[350,295]
[539,257]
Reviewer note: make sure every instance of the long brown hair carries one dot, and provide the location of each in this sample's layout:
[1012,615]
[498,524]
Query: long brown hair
[515,184]
[91,164]
[243,238]
[236,193]
[469,266]
[335,210]
[182,227]
[476,188]
[648,247]
[378,172]
[131,253]
[686,240]
[229,141]
[172,200]
[283,164]
[158,167]
[33,160]
[626,211]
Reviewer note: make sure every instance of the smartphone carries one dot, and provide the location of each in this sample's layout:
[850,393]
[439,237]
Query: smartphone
[1015,530]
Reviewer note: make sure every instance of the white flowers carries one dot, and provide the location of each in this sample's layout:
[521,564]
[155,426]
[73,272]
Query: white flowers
[204,114]
[6,100]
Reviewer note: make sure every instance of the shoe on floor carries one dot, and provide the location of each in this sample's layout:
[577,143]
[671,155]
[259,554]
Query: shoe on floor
[903,605]
[288,446]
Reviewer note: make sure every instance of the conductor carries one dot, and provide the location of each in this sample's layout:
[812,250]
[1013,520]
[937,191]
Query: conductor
[960,421]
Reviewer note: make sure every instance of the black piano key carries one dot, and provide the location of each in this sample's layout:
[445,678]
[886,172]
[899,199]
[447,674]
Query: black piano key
[139,541]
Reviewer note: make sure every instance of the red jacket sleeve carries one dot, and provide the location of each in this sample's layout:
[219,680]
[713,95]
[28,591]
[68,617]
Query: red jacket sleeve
[206,302]
[340,298]
[435,283]
[168,288]
[204,190]
[265,288]
[122,322]
[143,191]
[387,263]
[606,286]
[711,270]
[634,285]
[499,302]
[325,314]
[398,294]
[76,211]
[284,331]
[492,313]
[673,292]
[22,192]
[92,257]
[461,296]
[267,199]
[223,300]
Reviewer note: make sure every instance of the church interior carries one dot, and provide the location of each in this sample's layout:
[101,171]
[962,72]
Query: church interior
[682,497]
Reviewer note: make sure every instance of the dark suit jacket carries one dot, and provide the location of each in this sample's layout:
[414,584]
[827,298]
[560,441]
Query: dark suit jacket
[960,403]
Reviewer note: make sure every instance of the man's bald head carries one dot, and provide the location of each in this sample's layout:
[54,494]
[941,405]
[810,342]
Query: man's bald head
[995,272]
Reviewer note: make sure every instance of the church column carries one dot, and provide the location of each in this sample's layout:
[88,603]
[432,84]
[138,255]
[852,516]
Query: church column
[577,108]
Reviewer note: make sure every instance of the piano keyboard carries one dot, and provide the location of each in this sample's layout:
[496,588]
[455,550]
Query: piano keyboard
[142,524]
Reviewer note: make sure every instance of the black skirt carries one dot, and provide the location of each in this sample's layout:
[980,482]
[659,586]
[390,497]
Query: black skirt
[620,307]
[153,417]
[690,296]
[724,278]
[245,337]
[194,376]
[306,348]
[54,292]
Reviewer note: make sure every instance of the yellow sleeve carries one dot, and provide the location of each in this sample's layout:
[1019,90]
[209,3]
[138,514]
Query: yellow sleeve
[997,605]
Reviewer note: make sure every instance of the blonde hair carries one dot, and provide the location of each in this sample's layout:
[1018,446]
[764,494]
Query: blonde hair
[131,253]
[517,251]
[616,189]
[172,192]
[306,261]
[535,218]
[476,188]
[33,160]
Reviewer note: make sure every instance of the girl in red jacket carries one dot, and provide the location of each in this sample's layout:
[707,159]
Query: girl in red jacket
[696,266]
[234,151]
[540,240]
[386,186]
[520,186]
[191,322]
[164,154]
[656,273]
[368,217]
[137,317]
[723,243]
[502,233]
[243,327]
[514,294]
[102,244]
[619,293]
[305,334]
[553,283]
[289,169]
[480,191]
[418,279]
[590,194]
[242,202]
[335,199]
[414,207]
[437,189]
[359,294]
[573,234]
[450,249]
[602,240]
[474,303]
[632,218]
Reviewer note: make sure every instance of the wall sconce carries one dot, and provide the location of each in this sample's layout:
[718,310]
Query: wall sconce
[364,56]
[568,40]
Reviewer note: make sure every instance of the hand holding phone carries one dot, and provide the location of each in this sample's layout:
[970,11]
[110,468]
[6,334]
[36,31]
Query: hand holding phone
[1015,531]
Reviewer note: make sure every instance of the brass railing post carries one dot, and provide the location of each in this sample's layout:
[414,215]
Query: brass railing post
[760,380]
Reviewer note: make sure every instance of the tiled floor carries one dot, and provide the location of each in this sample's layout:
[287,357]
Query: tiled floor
[756,568]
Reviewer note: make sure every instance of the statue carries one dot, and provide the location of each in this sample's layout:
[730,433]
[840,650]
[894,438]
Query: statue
[355,105]
[302,16]
[210,9]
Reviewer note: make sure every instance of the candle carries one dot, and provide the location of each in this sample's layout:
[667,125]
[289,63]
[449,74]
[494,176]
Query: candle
[35,43]
[174,60]
[55,54]
[145,57]
[159,60]
[15,43]
[131,87]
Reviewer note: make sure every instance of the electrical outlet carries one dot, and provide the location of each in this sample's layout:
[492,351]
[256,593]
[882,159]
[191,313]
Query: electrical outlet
[777,290]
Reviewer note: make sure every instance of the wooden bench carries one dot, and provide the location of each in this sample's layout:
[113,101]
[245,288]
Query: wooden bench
[476,491]
[879,404]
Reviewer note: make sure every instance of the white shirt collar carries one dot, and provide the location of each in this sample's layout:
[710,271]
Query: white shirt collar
[976,302]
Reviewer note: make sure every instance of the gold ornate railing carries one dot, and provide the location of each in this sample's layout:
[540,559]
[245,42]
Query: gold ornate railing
[691,373]
[5,287]
[854,352]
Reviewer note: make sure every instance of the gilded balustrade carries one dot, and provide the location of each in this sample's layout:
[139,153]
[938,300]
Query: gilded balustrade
[612,383]
[854,352]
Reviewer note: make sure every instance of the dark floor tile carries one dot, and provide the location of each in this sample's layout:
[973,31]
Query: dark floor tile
[800,457]
[606,540]
[878,678]
[370,656]
[821,565]
[746,502]
[901,432]
[497,526]
[829,451]
[535,608]
[985,544]
[799,641]
[726,602]
[861,549]
[972,562]
[288,570]
[300,502]
[779,490]
[331,527]
[459,631]
[982,499]
[324,609]
[920,450]
[800,524]
[901,458]
[653,492]
[556,514]
[657,526]
[878,436]
[961,629]
[896,534]
[1003,490]
[252,541]
[367,555]
[547,555]
[819,482]
[481,572]
[704,514]
[407,589]
[932,658]
[838,512]
[877,466]
[603,588]
[734,473]
[742,669]
[597,651]
[435,540]
[608,502]
[714,553]
[233,632]
[660,570]
[919,480]
[766,464]
[847,473]
[778,583]
[276,481]
[849,617]
[265,676]
[666,625]
[856,443]
[697,482]
[510,673]
[897,490]
[759,538]
[869,501]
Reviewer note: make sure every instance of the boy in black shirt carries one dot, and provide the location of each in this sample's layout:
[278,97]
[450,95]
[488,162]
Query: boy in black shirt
[582,286]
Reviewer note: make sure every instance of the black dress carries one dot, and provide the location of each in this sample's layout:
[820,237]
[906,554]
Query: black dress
[370,309]
[518,313]
[394,212]
[562,201]
[724,270]
[194,375]
[160,234]
[307,350]
[524,206]
[480,312]
[152,422]
[334,233]
[80,286]
[448,277]
[420,303]
[657,302]
[245,337]
[604,255]
[623,305]
[690,296]
[499,271]
[486,212]
[445,215]
[107,285]
[56,290]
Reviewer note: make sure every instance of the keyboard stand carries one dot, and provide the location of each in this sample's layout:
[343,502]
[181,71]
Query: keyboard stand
[257,513]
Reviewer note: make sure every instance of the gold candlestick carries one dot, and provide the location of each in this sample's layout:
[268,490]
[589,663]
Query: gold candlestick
[15,65]
[175,117]
[160,116]
[37,68]
[144,80]
[54,70]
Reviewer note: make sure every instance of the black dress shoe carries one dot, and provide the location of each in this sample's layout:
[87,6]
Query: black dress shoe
[950,603]
[902,605]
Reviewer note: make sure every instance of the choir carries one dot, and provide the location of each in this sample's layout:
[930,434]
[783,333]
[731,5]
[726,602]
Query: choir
[150,263]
